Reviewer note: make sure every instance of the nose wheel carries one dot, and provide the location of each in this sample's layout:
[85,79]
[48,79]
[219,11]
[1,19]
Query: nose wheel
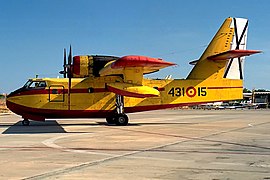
[25,122]
[120,118]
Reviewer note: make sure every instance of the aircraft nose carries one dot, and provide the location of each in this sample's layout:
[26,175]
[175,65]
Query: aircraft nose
[9,95]
[14,93]
[8,102]
[12,100]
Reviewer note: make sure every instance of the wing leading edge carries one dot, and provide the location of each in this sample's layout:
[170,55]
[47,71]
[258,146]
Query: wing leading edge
[147,64]
[132,68]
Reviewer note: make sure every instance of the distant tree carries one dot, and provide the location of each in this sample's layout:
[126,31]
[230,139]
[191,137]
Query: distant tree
[261,90]
[245,90]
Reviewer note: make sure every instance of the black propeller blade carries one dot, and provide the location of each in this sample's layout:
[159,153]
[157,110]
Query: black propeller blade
[65,63]
[64,72]
[69,71]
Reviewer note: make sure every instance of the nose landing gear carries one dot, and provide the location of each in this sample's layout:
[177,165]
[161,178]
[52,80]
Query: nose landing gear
[25,122]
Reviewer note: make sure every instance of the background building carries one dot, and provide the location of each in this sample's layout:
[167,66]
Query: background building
[261,98]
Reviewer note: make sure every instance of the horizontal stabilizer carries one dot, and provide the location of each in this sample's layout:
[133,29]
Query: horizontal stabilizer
[132,90]
[233,54]
[147,64]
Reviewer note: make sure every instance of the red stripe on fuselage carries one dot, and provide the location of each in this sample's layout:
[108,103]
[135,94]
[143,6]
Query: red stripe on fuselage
[59,91]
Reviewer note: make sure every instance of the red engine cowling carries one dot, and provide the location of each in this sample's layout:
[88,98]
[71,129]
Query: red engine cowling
[82,66]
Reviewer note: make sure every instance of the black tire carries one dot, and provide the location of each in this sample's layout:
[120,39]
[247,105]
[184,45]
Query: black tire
[110,120]
[121,120]
[25,122]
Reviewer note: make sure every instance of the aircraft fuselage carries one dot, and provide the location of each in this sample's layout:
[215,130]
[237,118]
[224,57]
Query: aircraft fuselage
[46,98]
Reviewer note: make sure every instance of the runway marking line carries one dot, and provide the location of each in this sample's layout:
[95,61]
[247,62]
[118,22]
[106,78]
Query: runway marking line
[51,143]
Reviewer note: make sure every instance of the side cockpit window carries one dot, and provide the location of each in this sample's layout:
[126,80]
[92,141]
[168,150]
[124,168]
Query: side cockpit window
[42,84]
[35,84]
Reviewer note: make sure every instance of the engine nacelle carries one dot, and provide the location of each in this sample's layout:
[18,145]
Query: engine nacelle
[89,66]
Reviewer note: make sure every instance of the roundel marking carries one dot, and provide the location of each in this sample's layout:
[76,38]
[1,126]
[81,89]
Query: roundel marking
[191,91]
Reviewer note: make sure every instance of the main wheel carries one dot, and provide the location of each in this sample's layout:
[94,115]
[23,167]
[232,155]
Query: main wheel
[25,122]
[110,120]
[121,120]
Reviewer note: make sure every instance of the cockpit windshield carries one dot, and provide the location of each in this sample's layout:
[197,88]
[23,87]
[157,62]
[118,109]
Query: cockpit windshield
[34,84]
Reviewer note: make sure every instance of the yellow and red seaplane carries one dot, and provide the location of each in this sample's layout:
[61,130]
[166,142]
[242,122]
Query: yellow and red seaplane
[109,87]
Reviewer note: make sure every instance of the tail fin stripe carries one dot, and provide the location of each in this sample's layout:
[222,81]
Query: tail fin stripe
[242,35]
[240,68]
[228,68]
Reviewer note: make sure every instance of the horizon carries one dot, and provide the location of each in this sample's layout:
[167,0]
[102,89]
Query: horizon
[34,34]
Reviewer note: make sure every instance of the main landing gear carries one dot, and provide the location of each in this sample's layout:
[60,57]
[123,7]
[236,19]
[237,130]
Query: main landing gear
[119,118]
[25,122]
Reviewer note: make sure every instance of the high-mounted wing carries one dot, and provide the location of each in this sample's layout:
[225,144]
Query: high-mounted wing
[133,68]
[147,64]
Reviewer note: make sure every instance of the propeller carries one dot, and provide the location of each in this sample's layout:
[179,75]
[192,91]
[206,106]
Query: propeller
[69,74]
[69,69]
[64,71]
[65,63]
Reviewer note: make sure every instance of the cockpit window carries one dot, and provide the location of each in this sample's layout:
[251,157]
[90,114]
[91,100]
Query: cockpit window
[27,83]
[42,84]
[35,84]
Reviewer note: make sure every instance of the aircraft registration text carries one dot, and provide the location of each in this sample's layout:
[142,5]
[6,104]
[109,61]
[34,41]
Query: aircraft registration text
[189,91]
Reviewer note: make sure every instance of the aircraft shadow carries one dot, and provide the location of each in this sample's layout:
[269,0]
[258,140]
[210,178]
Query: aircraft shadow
[35,127]
[53,126]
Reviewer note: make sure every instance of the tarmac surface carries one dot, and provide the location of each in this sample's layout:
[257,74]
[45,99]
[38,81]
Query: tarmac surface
[168,144]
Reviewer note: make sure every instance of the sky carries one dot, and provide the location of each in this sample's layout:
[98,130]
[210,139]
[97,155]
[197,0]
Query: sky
[34,33]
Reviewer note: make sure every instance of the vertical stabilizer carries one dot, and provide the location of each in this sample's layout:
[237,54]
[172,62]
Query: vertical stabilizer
[225,47]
